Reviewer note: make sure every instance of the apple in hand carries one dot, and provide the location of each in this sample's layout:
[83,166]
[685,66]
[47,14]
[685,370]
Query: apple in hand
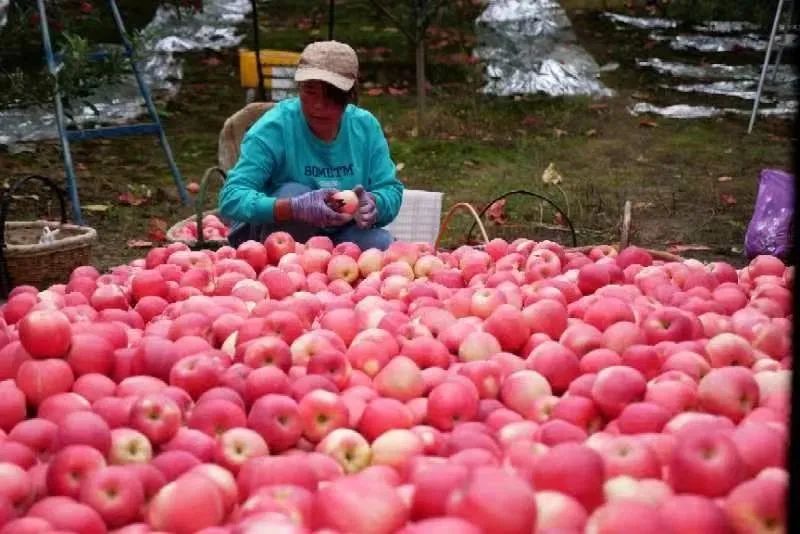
[343,202]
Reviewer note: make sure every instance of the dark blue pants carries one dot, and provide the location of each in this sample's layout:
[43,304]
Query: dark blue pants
[363,237]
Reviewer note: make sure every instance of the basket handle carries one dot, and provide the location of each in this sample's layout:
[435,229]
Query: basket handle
[200,201]
[530,194]
[468,207]
[5,277]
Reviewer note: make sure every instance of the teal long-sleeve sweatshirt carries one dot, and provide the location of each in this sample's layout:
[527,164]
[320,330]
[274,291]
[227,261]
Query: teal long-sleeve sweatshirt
[281,148]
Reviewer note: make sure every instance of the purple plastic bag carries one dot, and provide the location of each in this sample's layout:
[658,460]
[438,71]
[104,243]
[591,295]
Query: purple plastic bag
[770,228]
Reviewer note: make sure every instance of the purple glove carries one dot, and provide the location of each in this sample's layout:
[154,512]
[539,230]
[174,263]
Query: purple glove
[367,212]
[311,208]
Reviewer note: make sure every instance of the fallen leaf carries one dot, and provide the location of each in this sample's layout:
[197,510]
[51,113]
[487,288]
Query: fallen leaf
[648,123]
[157,229]
[139,243]
[99,208]
[131,199]
[559,133]
[375,91]
[591,133]
[531,120]
[724,179]
[400,166]
[81,167]
[470,163]
[640,96]
[496,213]
[643,205]
[551,175]
[727,199]
[598,107]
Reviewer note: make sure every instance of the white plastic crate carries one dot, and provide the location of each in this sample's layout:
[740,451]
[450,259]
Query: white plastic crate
[419,216]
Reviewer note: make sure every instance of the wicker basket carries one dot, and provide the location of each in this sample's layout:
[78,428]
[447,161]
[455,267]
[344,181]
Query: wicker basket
[463,206]
[25,261]
[200,242]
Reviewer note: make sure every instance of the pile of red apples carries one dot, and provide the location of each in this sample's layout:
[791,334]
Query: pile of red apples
[288,388]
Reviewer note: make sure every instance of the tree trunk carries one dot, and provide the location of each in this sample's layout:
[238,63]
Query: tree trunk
[420,61]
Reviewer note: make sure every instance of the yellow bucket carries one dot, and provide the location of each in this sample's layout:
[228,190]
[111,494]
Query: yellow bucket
[278,67]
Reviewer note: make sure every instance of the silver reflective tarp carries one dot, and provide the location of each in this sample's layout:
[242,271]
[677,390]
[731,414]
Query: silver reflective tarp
[529,47]
[167,34]
[785,74]
[685,111]
[716,78]
[718,43]
[723,26]
[644,23]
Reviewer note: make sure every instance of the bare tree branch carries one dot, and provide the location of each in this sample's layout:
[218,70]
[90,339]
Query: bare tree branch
[393,19]
[431,8]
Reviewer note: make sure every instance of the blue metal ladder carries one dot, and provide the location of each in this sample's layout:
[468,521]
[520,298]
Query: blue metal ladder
[67,136]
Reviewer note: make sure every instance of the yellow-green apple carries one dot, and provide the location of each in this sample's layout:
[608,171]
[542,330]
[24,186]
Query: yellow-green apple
[129,446]
[349,448]
[478,345]
[649,490]
[396,448]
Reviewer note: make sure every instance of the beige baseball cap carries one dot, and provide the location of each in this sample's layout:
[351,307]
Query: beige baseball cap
[328,61]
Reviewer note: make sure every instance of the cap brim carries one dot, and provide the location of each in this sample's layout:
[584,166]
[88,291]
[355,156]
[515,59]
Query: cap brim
[304,74]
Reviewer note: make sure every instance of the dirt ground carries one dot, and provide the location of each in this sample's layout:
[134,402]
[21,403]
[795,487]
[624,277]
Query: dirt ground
[692,183]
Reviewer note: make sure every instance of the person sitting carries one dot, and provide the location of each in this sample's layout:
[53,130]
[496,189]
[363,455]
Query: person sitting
[305,149]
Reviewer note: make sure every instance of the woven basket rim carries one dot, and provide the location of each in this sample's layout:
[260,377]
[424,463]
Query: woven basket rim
[191,242]
[86,236]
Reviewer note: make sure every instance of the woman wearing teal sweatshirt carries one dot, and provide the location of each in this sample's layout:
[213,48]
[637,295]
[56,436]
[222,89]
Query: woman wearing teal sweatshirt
[306,148]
